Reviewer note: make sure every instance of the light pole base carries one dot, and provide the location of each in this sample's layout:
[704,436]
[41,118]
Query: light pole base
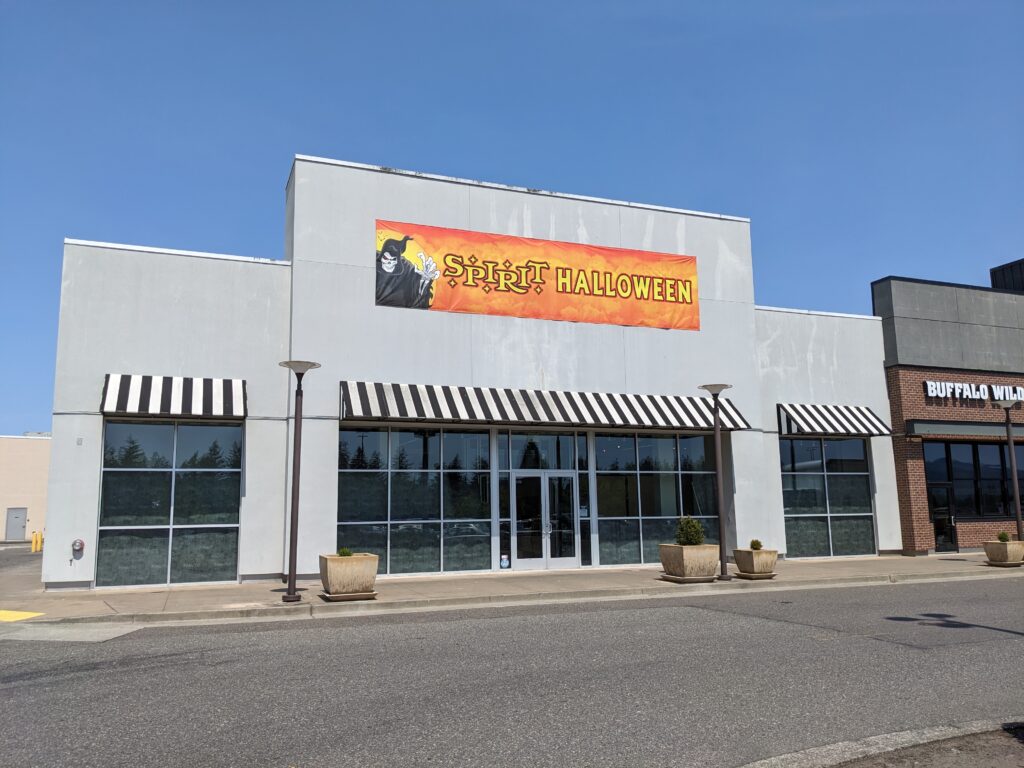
[291,598]
[726,577]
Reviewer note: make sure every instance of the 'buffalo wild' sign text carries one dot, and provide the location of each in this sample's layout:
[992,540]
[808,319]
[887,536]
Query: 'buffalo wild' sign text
[964,391]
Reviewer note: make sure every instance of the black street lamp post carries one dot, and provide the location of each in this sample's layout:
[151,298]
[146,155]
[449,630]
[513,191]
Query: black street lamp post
[299,367]
[1007,405]
[715,390]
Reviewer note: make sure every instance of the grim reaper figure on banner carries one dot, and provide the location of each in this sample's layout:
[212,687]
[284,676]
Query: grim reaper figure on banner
[400,281]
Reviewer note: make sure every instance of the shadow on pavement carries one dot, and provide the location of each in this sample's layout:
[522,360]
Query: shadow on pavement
[948,621]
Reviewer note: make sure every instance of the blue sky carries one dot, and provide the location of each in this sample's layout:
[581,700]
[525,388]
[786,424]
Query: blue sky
[862,138]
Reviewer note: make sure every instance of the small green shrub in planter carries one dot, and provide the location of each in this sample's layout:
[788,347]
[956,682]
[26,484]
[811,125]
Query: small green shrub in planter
[756,544]
[689,532]
[1003,536]
[344,552]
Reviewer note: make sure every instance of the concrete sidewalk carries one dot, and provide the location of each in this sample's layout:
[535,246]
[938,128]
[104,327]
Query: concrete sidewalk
[21,591]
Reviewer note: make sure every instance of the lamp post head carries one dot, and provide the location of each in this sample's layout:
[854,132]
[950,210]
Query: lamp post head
[715,389]
[299,366]
[1006,403]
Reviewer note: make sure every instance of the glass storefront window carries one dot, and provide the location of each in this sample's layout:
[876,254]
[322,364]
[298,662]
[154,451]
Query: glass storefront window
[136,498]
[845,456]
[169,504]
[990,462]
[803,494]
[205,498]
[467,546]
[935,468]
[503,451]
[657,532]
[962,460]
[697,453]
[362,496]
[415,496]
[853,535]
[807,537]
[422,499]
[980,483]
[138,446]
[826,495]
[363,449]
[964,497]
[542,451]
[657,454]
[416,449]
[800,455]
[371,538]
[133,556]
[415,547]
[466,450]
[467,495]
[699,496]
[619,542]
[656,478]
[617,496]
[204,554]
[659,495]
[615,453]
[427,508]
[208,447]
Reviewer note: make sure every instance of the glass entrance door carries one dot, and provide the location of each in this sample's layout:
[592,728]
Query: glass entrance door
[544,521]
[940,506]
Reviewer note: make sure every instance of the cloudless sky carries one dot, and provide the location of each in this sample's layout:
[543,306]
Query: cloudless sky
[862,138]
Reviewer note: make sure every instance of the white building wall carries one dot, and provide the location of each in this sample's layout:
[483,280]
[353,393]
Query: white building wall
[824,358]
[335,320]
[136,310]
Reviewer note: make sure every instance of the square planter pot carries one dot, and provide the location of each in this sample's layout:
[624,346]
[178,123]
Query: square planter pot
[691,564]
[755,563]
[1004,554]
[348,578]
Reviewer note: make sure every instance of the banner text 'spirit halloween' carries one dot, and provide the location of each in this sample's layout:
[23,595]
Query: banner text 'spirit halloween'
[425,267]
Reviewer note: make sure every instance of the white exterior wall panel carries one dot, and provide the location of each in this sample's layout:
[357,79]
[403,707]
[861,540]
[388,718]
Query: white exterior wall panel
[133,310]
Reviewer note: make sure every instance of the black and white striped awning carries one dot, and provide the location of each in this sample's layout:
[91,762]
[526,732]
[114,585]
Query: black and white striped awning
[136,395]
[489,405]
[804,419]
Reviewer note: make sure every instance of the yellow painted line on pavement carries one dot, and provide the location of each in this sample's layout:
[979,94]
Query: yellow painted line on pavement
[17,615]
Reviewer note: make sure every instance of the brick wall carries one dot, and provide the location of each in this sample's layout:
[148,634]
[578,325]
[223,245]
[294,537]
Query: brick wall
[908,401]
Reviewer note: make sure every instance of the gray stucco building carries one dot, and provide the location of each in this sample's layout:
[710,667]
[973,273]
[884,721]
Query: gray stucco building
[448,440]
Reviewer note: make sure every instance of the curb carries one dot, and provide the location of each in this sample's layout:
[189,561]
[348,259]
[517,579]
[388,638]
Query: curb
[846,751]
[318,609]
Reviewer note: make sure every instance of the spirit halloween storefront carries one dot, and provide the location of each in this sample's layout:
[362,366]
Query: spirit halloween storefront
[547,412]
[575,485]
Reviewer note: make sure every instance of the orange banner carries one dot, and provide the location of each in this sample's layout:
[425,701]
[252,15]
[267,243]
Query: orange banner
[453,270]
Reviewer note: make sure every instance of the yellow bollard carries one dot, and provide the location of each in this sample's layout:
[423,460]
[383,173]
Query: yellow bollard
[37,541]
